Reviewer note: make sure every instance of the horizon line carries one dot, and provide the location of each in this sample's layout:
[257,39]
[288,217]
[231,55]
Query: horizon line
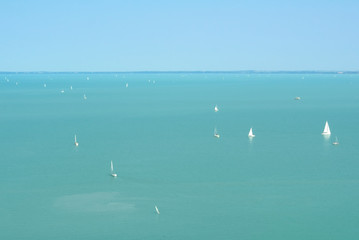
[194,71]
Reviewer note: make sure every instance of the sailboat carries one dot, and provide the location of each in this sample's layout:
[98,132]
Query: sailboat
[216,108]
[336,142]
[76,143]
[215,133]
[326,129]
[112,173]
[157,211]
[85,97]
[250,134]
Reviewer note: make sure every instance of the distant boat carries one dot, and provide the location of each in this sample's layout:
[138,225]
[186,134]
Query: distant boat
[44,84]
[71,88]
[326,129]
[62,91]
[126,85]
[250,134]
[215,134]
[112,173]
[87,78]
[216,108]
[76,143]
[157,211]
[85,97]
[336,142]
[297,98]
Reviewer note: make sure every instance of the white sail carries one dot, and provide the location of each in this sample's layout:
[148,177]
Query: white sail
[326,129]
[216,108]
[112,173]
[76,143]
[250,134]
[157,211]
[216,133]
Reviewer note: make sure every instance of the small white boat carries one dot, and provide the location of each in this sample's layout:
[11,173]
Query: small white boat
[62,91]
[216,108]
[44,85]
[87,78]
[157,211]
[76,143]
[326,129]
[112,173]
[250,134]
[297,98]
[71,88]
[215,134]
[126,85]
[336,142]
[85,97]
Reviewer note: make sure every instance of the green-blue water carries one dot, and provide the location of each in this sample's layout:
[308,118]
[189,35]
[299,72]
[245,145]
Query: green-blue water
[289,182]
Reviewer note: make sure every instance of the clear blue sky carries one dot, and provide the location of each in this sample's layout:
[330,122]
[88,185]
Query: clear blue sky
[108,35]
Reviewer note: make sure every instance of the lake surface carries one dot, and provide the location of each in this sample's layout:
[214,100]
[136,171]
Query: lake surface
[289,182]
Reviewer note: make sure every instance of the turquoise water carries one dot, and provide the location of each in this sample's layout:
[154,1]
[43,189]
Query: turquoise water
[289,182]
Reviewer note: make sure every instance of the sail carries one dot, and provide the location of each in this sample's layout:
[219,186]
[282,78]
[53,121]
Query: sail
[250,132]
[111,166]
[216,108]
[326,128]
[158,211]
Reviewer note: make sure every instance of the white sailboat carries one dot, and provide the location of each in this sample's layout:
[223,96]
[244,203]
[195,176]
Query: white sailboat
[216,108]
[215,134]
[76,143]
[250,134]
[85,97]
[326,129]
[112,173]
[157,211]
[126,85]
[336,142]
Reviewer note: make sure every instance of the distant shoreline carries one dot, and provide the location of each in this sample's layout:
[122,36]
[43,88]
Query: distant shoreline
[193,72]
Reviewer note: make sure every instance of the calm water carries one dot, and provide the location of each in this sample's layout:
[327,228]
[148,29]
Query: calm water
[289,182]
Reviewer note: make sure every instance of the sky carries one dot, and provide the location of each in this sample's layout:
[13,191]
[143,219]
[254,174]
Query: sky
[142,35]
